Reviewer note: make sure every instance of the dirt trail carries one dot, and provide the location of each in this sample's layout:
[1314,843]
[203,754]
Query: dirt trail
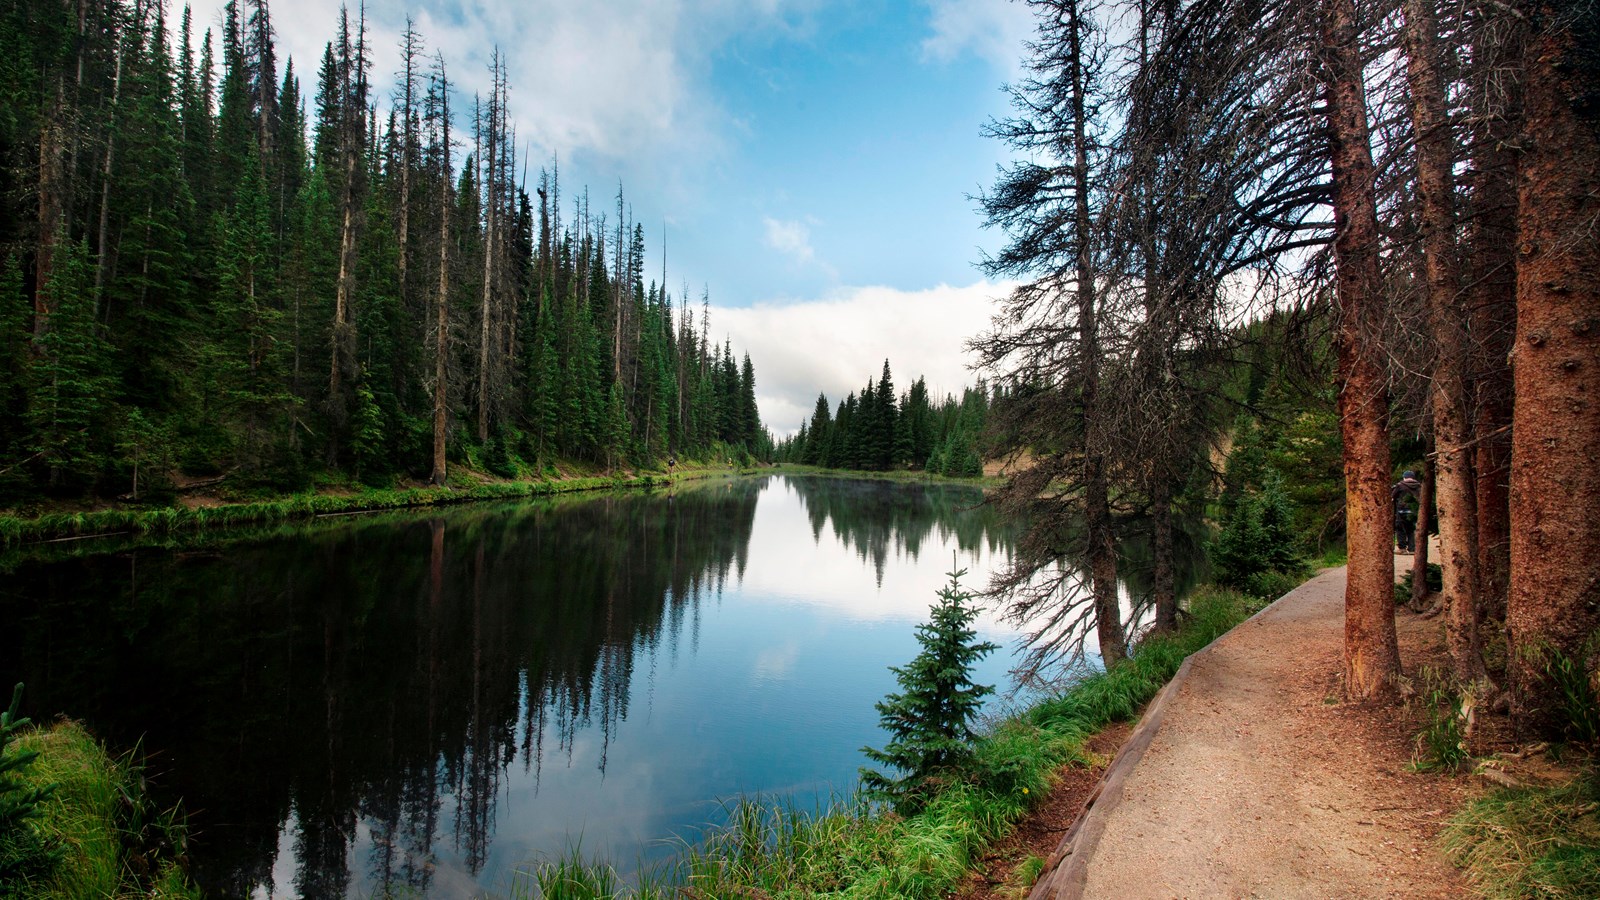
[1260,782]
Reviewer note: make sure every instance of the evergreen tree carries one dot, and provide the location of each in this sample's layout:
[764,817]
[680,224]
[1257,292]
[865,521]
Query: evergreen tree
[71,384]
[930,720]
[820,434]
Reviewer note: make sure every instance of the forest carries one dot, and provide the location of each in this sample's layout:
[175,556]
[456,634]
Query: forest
[209,272]
[876,431]
[1286,235]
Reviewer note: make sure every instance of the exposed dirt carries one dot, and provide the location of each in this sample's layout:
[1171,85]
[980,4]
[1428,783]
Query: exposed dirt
[1264,782]
[1046,824]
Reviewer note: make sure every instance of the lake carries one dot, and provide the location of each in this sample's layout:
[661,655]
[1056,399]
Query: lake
[420,703]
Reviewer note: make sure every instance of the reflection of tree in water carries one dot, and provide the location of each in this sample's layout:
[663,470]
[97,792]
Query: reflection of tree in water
[378,675]
[874,517]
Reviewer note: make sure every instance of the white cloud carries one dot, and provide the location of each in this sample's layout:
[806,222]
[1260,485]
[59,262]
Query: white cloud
[624,82]
[993,30]
[835,344]
[790,238]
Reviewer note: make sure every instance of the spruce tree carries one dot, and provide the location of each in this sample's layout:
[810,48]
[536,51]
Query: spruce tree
[71,385]
[930,721]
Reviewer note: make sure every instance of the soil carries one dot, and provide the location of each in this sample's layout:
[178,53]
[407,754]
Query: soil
[1262,781]
[1037,835]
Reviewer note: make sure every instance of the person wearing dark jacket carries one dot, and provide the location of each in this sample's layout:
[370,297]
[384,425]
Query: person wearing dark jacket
[1406,494]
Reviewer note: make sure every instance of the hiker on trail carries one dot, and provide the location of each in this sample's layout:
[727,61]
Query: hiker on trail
[1407,497]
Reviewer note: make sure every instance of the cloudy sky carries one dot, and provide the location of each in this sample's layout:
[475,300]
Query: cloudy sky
[809,162]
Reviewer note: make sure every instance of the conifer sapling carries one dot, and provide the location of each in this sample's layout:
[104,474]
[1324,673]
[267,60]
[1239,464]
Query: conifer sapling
[930,721]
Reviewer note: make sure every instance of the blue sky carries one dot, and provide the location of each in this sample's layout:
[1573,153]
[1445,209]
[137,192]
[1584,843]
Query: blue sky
[809,161]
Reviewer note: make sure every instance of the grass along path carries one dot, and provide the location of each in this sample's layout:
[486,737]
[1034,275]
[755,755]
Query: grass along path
[854,850]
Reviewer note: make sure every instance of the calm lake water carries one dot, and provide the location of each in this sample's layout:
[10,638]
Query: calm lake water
[422,703]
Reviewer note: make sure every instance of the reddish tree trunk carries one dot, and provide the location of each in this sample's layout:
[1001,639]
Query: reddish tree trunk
[1447,322]
[1554,603]
[1371,650]
[1491,297]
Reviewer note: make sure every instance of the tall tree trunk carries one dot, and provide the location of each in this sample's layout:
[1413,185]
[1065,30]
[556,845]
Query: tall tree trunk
[486,303]
[441,340]
[1454,484]
[1554,604]
[1371,650]
[1491,297]
[103,232]
[1102,550]
[52,203]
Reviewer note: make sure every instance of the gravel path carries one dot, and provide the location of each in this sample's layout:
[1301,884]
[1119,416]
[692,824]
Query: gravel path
[1256,780]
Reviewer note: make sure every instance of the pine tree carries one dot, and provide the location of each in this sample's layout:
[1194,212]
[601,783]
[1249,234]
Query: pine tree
[71,383]
[930,721]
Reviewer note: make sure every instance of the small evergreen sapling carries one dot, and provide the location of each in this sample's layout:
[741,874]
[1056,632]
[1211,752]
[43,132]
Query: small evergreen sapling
[23,852]
[930,720]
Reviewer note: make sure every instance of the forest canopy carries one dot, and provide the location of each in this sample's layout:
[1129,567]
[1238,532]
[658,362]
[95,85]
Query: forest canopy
[210,268]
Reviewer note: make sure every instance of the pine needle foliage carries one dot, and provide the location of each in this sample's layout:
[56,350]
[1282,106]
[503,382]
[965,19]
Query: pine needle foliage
[930,721]
[24,854]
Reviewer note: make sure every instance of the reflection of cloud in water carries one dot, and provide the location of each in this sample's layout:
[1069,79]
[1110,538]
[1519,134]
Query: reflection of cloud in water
[795,548]
[777,662]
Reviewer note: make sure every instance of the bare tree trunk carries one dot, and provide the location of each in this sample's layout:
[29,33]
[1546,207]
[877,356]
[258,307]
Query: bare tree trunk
[1554,604]
[102,239]
[1371,650]
[1102,549]
[1447,322]
[441,347]
[490,158]
[52,203]
[1491,297]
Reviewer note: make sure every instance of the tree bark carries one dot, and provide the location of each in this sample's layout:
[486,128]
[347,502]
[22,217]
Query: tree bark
[1371,650]
[1554,602]
[52,204]
[1491,297]
[1102,549]
[1454,484]
[441,345]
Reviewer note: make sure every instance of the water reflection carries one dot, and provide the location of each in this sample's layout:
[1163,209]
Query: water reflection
[421,702]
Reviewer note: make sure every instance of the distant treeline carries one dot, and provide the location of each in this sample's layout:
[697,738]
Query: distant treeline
[876,430]
[200,275]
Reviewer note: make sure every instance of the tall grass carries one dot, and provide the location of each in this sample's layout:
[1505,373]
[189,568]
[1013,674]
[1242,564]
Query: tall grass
[1532,842]
[853,849]
[97,820]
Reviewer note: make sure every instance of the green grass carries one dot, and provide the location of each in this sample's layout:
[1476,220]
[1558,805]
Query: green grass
[1442,743]
[853,849]
[170,520]
[901,475]
[1536,842]
[98,822]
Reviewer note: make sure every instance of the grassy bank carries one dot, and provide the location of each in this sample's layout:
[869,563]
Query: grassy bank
[896,475]
[855,850]
[160,521]
[1532,842]
[100,838]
